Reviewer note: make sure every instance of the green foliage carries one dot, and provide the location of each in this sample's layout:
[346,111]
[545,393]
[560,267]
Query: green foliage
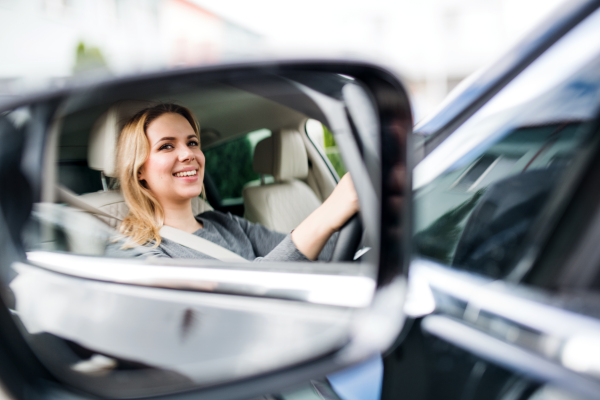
[328,140]
[230,167]
[336,161]
[439,239]
[89,59]
[332,152]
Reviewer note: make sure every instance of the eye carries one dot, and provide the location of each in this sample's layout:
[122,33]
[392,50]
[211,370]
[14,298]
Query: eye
[193,143]
[166,146]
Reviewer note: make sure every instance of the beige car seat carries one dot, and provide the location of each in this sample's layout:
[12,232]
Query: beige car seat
[281,205]
[102,147]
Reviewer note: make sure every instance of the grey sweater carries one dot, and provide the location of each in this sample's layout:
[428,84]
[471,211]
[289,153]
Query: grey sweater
[254,242]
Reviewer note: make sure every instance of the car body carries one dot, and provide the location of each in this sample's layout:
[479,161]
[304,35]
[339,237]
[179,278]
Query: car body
[501,173]
[502,300]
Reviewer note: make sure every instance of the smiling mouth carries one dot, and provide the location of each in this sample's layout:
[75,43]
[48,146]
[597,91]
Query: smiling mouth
[186,173]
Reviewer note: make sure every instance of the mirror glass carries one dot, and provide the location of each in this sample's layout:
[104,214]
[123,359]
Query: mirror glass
[120,307]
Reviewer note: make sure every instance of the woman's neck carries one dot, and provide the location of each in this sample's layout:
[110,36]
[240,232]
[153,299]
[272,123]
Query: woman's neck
[180,216]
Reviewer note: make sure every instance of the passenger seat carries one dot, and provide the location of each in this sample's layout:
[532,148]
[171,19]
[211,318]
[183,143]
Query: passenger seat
[282,205]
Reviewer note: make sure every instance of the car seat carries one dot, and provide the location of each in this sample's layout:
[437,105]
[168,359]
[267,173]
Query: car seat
[281,205]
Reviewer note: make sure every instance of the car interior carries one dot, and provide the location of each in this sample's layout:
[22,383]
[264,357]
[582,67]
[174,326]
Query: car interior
[293,176]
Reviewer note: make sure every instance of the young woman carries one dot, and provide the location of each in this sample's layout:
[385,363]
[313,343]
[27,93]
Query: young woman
[161,168]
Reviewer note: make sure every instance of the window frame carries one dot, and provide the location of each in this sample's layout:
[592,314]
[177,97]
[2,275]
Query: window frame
[321,153]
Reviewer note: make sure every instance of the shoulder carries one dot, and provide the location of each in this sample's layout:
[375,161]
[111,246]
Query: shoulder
[221,218]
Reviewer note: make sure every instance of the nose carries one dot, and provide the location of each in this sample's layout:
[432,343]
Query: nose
[186,154]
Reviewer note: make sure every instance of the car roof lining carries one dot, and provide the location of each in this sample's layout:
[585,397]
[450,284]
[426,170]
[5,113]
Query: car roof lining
[223,112]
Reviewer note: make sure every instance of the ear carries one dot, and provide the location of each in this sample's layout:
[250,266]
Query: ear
[140,174]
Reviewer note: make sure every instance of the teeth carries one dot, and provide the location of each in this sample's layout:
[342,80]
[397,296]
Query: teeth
[187,173]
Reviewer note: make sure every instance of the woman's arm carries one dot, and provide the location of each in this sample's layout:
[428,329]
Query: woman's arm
[312,234]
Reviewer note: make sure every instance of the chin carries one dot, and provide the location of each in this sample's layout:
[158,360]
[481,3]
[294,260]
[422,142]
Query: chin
[191,194]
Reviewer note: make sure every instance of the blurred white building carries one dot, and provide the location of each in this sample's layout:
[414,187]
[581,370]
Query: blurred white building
[433,44]
[45,42]
[440,42]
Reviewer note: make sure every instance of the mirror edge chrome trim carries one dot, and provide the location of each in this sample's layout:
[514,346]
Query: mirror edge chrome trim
[335,290]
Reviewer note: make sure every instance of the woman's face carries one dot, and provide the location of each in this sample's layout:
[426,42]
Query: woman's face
[174,170]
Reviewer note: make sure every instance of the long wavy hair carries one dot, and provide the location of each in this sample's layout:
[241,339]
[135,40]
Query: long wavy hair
[146,215]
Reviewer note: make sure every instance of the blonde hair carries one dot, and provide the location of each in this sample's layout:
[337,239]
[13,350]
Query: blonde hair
[146,215]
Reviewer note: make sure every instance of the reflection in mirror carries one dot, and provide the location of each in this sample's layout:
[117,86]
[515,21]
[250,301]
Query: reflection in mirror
[171,241]
[252,166]
[516,169]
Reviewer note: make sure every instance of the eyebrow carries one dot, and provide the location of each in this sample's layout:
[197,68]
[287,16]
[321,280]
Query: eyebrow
[172,138]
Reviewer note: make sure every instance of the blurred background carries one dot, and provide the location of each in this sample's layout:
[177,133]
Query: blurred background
[432,44]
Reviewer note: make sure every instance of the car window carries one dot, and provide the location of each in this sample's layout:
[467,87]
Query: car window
[482,192]
[230,178]
[324,141]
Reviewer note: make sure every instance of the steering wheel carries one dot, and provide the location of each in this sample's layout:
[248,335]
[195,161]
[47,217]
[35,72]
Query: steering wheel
[348,240]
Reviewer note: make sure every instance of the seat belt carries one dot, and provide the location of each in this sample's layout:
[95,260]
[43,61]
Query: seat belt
[66,196]
[176,235]
[199,244]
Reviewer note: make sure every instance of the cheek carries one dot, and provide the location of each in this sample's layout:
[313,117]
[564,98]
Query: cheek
[157,168]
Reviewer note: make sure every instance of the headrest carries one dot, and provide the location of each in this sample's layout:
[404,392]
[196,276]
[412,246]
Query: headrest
[102,144]
[283,155]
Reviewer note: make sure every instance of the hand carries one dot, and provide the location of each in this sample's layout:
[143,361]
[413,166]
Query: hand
[312,234]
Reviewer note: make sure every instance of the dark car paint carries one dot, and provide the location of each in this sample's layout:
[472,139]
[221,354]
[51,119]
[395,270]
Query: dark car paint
[423,366]
[426,367]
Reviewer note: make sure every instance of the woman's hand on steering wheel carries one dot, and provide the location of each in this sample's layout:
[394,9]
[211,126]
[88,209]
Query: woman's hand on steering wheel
[312,234]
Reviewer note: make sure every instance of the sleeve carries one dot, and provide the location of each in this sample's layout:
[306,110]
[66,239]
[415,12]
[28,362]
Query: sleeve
[270,245]
[286,250]
[327,251]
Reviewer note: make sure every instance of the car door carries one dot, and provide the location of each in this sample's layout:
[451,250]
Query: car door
[504,276]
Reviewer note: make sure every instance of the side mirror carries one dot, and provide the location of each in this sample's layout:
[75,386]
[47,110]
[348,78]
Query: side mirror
[121,327]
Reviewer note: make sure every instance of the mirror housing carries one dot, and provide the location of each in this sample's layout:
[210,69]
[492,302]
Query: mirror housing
[368,112]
